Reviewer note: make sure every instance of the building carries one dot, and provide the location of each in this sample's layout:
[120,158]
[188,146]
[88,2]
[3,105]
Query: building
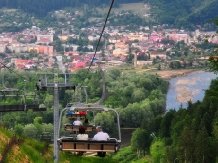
[154,55]
[120,51]
[41,38]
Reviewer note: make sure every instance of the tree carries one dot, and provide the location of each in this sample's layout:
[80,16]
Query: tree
[30,131]
[202,146]
[47,127]
[166,124]
[106,120]
[186,146]
[138,95]
[38,124]
[140,141]
[18,129]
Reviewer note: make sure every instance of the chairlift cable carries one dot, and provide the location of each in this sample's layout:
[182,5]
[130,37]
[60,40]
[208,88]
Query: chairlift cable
[112,2]
[14,72]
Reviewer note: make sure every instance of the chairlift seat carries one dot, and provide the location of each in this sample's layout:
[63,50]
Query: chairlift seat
[71,144]
[9,108]
[81,116]
[20,107]
[70,127]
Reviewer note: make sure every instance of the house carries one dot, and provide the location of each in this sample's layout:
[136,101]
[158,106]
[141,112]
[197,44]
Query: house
[155,54]
[71,53]
[113,40]
[121,45]
[20,63]
[141,63]
[120,51]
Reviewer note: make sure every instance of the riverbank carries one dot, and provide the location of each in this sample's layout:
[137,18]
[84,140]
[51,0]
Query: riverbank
[184,94]
[169,74]
[188,87]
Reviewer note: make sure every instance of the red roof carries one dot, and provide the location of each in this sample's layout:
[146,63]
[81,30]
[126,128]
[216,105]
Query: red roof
[80,65]
[76,58]
[20,67]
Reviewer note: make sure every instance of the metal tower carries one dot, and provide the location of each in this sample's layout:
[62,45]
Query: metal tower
[43,85]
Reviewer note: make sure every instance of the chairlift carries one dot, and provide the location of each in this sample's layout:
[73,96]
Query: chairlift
[23,106]
[74,145]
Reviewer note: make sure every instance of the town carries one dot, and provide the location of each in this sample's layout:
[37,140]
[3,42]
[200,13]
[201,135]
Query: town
[35,48]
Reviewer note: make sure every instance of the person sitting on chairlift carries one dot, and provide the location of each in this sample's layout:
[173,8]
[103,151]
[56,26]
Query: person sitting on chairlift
[77,112]
[86,122]
[70,112]
[82,112]
[82,135]
[77,122]
[101,136]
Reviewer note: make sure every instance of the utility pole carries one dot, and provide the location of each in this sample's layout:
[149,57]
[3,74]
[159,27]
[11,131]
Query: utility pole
[43,85]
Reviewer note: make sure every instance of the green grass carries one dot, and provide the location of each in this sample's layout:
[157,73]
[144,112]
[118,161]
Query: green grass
[125,155]
[6,132]
[39,146]
[33,154]
[86,159]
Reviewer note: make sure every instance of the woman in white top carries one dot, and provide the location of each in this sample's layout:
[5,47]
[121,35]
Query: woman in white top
[77,122]
[82,135]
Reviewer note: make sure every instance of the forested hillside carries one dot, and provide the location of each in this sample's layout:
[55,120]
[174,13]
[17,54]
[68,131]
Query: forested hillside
[184,13]
[41,7]
[187,135]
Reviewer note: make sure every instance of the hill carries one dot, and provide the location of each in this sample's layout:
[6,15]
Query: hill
[14,149]
[17,149]
[184,13]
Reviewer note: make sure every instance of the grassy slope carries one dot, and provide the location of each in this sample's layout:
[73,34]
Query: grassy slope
[137,8]
[32,151]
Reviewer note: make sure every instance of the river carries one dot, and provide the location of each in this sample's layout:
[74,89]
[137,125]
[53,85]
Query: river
[186,88]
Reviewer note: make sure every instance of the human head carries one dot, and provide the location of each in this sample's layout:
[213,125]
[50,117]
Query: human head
[82,130]
[86,120]
[98,128]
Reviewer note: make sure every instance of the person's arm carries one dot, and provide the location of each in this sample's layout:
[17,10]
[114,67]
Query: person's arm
[87,137]
[107,136]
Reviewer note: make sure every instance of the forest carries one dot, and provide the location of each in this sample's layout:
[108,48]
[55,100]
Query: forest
[186,14]
[41,8]
[187,135]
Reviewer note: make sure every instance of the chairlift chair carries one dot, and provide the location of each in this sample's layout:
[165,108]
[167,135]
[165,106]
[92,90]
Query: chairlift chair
[74,145]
